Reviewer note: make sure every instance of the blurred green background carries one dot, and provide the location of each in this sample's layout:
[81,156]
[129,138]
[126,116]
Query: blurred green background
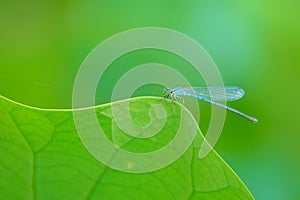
[255,44]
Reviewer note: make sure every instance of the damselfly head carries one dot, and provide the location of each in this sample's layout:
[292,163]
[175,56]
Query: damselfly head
[167,92]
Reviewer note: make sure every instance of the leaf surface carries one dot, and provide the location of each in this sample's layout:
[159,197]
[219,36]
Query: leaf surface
[42,157]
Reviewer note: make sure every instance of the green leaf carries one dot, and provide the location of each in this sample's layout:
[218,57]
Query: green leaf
[43,157]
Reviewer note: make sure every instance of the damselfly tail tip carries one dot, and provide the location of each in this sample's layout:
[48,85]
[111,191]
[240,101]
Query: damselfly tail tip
[254,120]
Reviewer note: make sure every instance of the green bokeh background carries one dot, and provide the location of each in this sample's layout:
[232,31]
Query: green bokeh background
[255,44]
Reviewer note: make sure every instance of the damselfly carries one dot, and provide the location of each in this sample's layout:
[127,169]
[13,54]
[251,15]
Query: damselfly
[210,95]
